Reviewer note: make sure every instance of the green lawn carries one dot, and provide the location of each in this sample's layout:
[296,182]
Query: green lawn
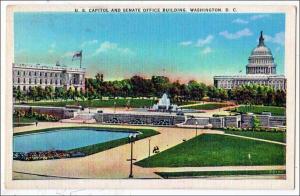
[92,149]
[22,124]
[274,136]
[185,103]
[207,106]
[24,120]
[276,111]
[218,173]
[134,103]
[217,150]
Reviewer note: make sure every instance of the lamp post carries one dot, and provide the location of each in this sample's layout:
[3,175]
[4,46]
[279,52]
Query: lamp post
[131,139]
[196,128]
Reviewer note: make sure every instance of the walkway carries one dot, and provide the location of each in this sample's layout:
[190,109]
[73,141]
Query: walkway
[219,168]
[112,163]
[257,139]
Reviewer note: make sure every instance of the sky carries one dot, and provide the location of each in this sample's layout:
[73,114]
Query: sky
[182,46]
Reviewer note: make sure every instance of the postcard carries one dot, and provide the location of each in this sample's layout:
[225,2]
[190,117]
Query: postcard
[150,96]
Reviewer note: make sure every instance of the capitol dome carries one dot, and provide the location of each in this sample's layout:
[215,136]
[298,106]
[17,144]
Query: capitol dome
[261,50]
[261,60]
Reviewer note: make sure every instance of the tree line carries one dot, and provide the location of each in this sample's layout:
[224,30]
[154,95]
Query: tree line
[155,86]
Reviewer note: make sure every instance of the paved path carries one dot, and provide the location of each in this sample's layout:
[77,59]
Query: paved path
[220,168]
[107,164]
[257,139]
[112,163]
[188,105]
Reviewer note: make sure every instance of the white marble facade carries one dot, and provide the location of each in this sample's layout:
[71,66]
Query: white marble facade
[260,69]
[29,75]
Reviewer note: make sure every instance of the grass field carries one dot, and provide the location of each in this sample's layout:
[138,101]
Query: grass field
[185,103]
[274,136]
[24,120]
[92,149]
[217,150]
[276,111]
[22,124]
[218,173]
[134,103]
[207,106]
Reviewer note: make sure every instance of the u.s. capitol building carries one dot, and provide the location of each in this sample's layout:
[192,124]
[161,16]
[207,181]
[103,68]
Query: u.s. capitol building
[260,69]
[30,75]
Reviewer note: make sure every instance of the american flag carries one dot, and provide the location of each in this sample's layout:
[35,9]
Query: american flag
[77,55]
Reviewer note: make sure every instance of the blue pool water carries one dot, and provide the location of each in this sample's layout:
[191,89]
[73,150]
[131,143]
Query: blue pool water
[63,139]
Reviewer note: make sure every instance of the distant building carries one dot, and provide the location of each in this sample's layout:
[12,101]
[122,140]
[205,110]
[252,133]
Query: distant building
[260,69]
[30,75]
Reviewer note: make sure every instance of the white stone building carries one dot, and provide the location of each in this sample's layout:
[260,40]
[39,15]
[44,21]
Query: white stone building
[29,75]
[260,69]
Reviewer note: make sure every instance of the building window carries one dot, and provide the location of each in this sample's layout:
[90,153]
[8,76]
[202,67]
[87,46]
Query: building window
[30,73]
[46,74]
[34,81]
[29,80]
[18,80]
[40,73]
[24,81]
[51,81]
[55,81]
[18,73]
[50,74]
[35,73]
[24,73]
[55,74]
[41,81]
[46,81]
[24,88]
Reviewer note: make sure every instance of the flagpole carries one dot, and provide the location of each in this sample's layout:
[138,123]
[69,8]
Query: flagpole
[80,59]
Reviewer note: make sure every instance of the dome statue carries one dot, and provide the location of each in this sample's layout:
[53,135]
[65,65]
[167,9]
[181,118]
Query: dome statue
[261,60]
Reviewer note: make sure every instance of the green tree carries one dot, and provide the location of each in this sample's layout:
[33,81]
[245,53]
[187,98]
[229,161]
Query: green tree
[59,92]
[256,122]
[71,92]
[196,91]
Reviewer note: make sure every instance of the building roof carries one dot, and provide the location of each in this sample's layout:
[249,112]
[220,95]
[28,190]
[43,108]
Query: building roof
[251,76]
[47,67]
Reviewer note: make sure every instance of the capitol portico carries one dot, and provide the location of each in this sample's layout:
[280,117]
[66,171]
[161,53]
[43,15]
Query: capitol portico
[261,69]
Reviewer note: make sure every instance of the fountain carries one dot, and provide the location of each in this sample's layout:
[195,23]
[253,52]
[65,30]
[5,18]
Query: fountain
[164,104]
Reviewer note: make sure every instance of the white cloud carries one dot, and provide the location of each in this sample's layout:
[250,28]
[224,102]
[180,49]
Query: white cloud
[240,21]
[203,42]
[185,43]
[105,46]
[277,39]
[236,35]
[90,42]
[206,50]
[259,16]
[68,54]
[109,46]
[52,47]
